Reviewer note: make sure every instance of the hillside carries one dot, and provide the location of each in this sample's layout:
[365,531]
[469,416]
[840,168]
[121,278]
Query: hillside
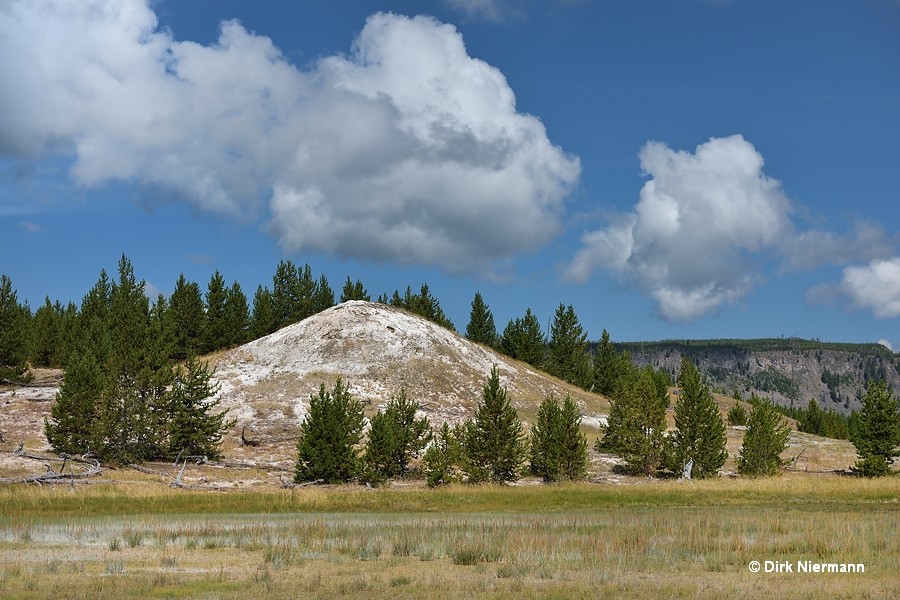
[376,349]
[786,370]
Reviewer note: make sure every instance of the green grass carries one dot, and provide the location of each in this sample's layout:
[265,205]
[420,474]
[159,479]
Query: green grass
[24,504]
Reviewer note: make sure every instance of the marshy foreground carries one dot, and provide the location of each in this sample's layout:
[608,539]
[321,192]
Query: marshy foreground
[657,539]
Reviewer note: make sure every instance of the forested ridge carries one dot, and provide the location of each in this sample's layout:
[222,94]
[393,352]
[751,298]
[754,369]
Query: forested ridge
[135,388]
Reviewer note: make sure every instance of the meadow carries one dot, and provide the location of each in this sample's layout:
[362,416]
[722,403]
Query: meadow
[638,540]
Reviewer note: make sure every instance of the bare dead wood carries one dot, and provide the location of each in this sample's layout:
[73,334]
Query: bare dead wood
[245,441]
[149,471]
[178,483]
[243,465]
[818,471]
[178,479]
[53,477]
[291,485]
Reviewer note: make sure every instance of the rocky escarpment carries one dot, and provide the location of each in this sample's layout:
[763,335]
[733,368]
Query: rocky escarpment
[836,379]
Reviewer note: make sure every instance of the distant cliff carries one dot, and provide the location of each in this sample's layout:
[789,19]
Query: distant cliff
[787,370]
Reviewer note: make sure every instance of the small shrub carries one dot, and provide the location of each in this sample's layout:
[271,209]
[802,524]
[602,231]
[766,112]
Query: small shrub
[262,575]
[133,537]
[506,571]
[466,555]
[369,551]
[168,560]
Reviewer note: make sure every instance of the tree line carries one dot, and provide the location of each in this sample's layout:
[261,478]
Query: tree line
[135,389]
[491,446]
[200,322]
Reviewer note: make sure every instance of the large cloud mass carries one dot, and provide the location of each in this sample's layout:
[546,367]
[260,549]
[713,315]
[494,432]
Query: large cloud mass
[408,149]
[703,227]
[690,238]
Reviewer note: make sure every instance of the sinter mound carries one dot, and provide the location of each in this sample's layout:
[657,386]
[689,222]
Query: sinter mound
[377,349]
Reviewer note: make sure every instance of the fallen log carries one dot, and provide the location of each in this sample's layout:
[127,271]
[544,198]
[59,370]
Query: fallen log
[149,471]
[242,465]
[54,477]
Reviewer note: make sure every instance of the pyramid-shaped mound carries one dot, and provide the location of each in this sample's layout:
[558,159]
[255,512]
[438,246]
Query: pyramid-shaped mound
[376,349]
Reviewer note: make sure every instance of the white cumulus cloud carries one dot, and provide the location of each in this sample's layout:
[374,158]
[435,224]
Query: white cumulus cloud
[875,287]
[691,238]
[407,149]
[705,225]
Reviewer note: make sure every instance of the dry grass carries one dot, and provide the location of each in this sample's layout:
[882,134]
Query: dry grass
[667,539]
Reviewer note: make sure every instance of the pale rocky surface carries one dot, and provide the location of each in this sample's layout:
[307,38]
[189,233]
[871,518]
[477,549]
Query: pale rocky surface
[376,349]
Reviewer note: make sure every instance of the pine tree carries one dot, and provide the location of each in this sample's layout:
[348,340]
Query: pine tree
[573,456]
[67,332]
[765,440]
[412,434]
[296,295]
[46,336]
[188,315]
[160,335]
[422,304]
[72,426]
[137,376]
[14,325]
[237,316]
[523,340]
[813,420]
[329,434]
[74,423]
[878,432]
[263,320]
[737,415]
[354,291]
[605,366]
[481,327]
[323,297]
[661,381]
[700,435]
[396,437]
[558,448]
[567,351]
[495,447]
[380,447]
[215,328]
[192,426]
[545,449]
[443,460]
[306,293]
[92,324]
[285,289]
[636,426]
[643,435]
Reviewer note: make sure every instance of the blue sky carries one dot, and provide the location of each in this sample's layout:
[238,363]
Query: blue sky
[672,169]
